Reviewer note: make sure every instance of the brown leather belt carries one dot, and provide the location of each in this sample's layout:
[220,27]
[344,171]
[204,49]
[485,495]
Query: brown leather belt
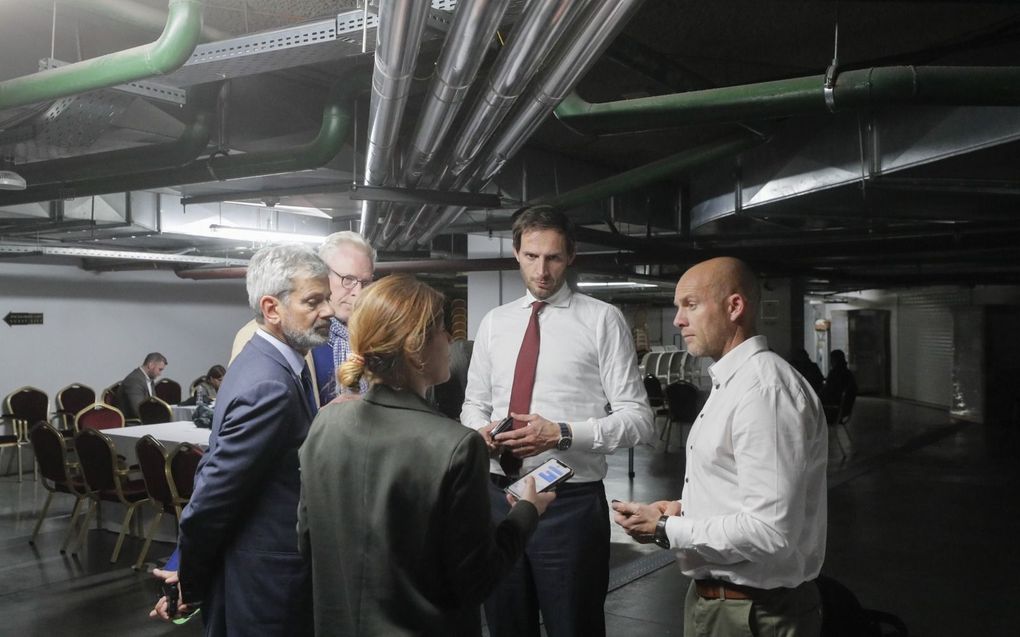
[718,589]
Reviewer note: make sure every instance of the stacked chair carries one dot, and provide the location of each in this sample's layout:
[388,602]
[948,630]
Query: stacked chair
[70,400]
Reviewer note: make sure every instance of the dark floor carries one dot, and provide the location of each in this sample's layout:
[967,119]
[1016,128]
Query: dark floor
[924,521]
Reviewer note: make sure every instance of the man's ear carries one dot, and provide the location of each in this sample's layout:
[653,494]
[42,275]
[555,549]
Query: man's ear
[270,306]
[517,255]
[570,259]
[736,306]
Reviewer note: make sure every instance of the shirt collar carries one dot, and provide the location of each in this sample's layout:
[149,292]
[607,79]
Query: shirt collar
[294,360]
[723,369]
[560,299]
[338,330]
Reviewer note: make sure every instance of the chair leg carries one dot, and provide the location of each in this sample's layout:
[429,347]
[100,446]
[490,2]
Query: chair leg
[669,432]
[85,527]
[123,530]
[20,477]
[42,516]
[630,463]
[149,532]
[74,520]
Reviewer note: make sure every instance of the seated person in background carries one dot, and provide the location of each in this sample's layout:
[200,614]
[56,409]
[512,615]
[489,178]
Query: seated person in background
[840,388]
[139,384]
[205,391]
[394,510]
[808,369]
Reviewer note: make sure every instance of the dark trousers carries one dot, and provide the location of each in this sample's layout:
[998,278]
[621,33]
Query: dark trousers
[564,572]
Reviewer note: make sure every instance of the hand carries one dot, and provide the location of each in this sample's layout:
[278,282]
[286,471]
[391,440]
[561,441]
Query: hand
[160,610]
[537,436]
[639,520]
[486,431]
[540,500]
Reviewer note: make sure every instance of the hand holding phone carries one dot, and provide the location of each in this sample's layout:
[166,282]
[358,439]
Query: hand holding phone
[503,425]
[171,592]
[547,475]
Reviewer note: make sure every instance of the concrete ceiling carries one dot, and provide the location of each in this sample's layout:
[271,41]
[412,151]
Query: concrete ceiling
[880,196]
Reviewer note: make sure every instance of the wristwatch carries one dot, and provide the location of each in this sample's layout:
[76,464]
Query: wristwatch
[566,437]
[660,532]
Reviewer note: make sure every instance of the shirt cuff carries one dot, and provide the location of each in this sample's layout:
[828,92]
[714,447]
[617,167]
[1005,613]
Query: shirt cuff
[679,531]
[584,435]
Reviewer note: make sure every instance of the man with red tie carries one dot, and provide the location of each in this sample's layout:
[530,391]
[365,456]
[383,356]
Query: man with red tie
[563,365]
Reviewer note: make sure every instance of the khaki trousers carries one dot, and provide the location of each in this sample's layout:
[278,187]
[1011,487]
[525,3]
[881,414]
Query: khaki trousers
[783,612]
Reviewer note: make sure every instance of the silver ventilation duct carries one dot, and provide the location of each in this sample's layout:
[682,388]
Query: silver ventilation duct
[473,28]
[398,37]
[528,47]
[593,33]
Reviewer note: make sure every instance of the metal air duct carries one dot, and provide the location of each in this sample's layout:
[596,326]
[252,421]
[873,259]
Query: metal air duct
[398,37]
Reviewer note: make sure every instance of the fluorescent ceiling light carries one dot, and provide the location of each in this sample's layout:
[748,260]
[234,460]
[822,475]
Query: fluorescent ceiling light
[265,236]
[614,284]
[301,210]
[10,180]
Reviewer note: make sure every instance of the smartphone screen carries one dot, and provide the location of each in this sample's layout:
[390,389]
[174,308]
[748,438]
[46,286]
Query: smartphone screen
[547,475]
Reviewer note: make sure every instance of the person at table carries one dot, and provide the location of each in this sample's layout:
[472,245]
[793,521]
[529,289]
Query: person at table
[205,390]
[238,549]
[394,510]
[139,384]
[351,262]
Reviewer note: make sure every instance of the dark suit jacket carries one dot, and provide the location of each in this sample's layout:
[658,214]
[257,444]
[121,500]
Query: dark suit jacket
[238,542]
[395,516]
[133,390]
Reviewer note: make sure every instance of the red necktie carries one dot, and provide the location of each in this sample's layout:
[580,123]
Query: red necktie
[524,383]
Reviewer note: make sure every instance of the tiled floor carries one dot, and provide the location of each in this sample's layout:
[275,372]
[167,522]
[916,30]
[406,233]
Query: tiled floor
[923,522]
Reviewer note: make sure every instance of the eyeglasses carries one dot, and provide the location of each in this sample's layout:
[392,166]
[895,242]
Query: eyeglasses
[349,281]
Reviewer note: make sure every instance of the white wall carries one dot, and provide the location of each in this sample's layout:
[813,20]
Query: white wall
[97,327]
[487,290]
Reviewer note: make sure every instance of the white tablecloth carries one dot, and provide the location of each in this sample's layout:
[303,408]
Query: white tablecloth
[169,433]
[182,412]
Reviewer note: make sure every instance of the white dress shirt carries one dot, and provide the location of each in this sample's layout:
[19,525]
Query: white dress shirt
[754,497]
[587,376]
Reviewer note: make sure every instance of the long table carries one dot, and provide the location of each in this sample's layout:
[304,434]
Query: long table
[169,433]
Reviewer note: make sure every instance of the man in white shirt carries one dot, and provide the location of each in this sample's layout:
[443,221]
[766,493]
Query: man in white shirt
[585,402]
[750,526]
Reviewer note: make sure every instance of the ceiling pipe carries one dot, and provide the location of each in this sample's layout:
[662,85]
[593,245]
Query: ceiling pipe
[938,85]
[191,143]
[528,47]
[167,54]
[336,119]
[136,14]
[398,38]
[593,33]
[474,26]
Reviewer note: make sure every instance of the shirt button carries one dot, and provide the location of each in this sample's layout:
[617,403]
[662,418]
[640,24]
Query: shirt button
[686,480]
[717,387]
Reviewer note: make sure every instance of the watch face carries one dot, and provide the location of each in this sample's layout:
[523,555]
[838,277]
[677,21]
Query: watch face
[564,444]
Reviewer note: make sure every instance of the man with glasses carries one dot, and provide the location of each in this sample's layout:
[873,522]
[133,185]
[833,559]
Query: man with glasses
[351,263]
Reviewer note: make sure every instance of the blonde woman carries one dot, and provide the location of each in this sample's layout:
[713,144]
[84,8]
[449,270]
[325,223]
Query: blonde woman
[394,512]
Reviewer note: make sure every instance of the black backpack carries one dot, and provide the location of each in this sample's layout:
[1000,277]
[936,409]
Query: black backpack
[843,615]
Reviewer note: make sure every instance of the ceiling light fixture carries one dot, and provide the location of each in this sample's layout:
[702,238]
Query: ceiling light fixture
[264,236]
[10,180]
[300,210]
[614,284]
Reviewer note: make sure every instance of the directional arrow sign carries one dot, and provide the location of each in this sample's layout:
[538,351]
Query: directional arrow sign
[23,318]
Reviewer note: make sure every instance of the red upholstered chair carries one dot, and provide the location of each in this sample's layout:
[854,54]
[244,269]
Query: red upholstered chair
[152,461]
[59,474]
[152,411]
[22,409]
[69,401]
[169,391]
[98,416]
[183,464]
[106,479]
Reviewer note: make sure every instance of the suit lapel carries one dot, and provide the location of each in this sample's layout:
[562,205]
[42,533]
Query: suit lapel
[271,352]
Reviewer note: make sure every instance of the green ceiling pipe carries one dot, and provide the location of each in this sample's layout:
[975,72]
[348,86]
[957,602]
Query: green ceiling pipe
[136,14]
[655,171]
[191,143]
[167,54]
[944,85]
[332,134]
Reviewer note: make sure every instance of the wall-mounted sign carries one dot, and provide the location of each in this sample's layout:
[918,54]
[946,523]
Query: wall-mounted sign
[23,318]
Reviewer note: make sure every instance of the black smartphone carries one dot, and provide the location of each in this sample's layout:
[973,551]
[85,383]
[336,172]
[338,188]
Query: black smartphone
[547,476]
[504,425]
[170,591]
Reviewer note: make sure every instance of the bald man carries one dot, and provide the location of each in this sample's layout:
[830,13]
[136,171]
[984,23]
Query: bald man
[749,528]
